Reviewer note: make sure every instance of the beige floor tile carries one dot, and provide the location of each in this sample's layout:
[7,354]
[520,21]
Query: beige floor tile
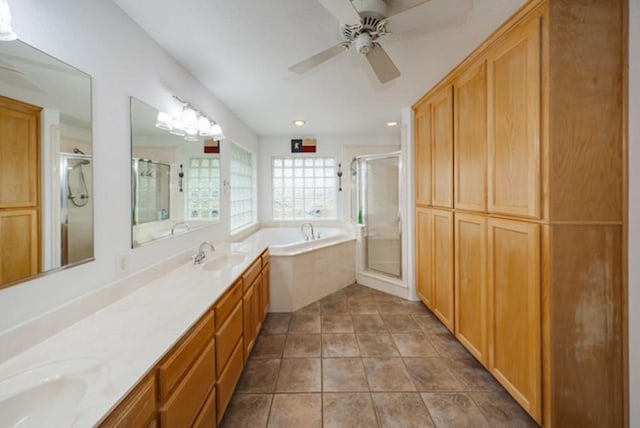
[302,345]
[276,323]
[362,307]
[300,375]
[414,344]
[337,324]
[400,323]
[269,346]
[454,410]
[429,323]
[340,345]
[343,374]
[311,309]
[295,411]
[447,346]
[431,374]
[389,307]
[348,410]
[416,308]
[377,345]
[259,376]
[387,374]
[472,375]
[401,409]
[502,411]
[368,323]
[334,307]
[304,323]
[247,411]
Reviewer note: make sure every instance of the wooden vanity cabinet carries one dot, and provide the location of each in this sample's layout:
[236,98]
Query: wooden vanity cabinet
[442,257]
[138,409]
[194,382]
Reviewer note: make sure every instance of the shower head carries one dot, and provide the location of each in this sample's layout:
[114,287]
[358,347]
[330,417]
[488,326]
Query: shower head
[77,151]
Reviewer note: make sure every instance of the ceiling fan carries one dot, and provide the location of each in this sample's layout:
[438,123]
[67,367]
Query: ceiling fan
[362,24]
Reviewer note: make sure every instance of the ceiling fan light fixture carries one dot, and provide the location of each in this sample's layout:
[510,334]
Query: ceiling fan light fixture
[392,123]
[299,122]
[364,43]
[6,29]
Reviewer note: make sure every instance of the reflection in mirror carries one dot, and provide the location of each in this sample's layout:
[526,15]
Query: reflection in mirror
[46,164]
[175,183]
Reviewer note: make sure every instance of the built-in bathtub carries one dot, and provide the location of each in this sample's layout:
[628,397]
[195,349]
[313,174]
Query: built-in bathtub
[303,271]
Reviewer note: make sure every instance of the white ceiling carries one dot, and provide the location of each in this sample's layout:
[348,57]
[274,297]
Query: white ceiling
[241,50]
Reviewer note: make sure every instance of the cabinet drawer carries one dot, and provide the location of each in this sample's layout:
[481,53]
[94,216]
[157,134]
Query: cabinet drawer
[227,337]
[138,408]
[207,416]
[183,406]
[228,379]
[265,258]
[174,367]
[228,302]
[251,273]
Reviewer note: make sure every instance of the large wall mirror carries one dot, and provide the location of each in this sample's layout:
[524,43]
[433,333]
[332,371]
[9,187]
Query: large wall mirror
[46,164]
[175,182]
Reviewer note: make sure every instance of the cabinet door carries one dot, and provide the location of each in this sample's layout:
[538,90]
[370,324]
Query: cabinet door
[470,153]
[514,308]
[424,285]
[442,148]
[18,244]
[442,259]
[471,283]
[258,308]
[513,70]
[266,290]
[249,330]
[423,154]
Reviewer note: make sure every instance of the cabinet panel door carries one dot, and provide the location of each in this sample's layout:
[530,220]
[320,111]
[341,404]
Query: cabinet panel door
[443,273]
[19,239]
[470,153]
[423,154]
[471,283]
[249,329]
[424,284]
[514,308]
[442,148]
[266,290]
[513,70]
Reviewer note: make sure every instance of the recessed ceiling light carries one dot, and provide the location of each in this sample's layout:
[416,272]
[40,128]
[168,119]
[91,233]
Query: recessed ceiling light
[393,123]
[299,122]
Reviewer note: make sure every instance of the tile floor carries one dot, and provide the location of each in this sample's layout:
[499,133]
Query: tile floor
[362,358]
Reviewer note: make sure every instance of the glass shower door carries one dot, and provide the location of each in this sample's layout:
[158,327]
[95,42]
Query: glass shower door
[383,238]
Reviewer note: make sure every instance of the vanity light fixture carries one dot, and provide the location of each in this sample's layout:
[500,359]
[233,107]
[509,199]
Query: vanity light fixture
[299,122]
[6,29]
[392,123]
[190,123]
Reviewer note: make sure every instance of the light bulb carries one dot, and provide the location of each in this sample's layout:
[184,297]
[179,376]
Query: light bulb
[6,29]
[163,121]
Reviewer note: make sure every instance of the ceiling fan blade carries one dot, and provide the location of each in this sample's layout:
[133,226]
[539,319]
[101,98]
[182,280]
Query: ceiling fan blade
[343,10]
[319,58]
[395,7]
[381,64]
[435,14]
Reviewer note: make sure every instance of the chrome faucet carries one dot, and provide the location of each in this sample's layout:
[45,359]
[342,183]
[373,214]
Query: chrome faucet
[306,237]
[178,223]
[201,256]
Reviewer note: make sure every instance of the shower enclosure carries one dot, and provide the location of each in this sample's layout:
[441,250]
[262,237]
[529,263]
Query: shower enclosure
[375,205]
[76,211]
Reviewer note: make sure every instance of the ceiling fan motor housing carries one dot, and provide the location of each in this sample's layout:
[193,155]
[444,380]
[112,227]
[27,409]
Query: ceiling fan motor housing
[371,8]
[364,42]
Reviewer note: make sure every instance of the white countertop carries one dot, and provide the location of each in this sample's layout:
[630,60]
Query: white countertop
[129,336]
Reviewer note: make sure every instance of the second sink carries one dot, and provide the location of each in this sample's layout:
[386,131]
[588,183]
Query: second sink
[223,261]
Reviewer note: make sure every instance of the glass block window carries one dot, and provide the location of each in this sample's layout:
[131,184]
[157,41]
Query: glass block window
[241,185]
[203,188]
[304,188]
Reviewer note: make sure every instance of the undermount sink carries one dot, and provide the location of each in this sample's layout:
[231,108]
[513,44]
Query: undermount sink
[223,261]
[47,395]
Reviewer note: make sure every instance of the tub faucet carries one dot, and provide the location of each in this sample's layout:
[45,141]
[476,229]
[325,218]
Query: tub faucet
[306,237]
[201,255]
[178,223]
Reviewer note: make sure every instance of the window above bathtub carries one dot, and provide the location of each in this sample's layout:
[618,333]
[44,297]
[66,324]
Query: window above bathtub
[304,188]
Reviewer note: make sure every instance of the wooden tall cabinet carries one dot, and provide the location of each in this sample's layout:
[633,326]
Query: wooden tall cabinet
[19,190]
[537,206]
